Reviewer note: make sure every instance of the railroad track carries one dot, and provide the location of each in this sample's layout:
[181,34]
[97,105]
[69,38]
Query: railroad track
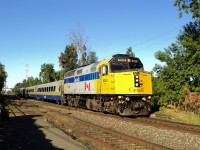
[101,137]
[183,127]
[16,110]
[161,123]
[115,140]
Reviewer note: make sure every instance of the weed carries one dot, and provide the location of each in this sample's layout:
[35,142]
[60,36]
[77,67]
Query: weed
[178,116]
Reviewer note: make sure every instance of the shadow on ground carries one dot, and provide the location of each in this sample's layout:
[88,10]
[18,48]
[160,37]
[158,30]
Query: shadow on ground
[20,132]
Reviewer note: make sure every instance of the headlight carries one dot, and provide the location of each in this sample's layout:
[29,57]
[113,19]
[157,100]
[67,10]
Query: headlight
[127,98]
[120,97]
[144,98]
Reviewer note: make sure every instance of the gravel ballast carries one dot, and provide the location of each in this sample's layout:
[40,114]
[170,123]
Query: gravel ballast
[169,138]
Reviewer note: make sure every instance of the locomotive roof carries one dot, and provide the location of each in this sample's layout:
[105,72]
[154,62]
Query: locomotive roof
[82,70]
[93,67]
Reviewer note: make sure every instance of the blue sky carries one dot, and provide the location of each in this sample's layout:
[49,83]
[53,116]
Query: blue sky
[35,32]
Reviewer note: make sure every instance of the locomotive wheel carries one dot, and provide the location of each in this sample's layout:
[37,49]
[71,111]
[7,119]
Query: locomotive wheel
[76,103]
[69,103]
[62,102]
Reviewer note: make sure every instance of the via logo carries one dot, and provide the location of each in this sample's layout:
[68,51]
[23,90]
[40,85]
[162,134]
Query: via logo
[76,79]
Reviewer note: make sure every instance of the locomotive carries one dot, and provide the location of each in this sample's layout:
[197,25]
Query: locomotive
[117,85]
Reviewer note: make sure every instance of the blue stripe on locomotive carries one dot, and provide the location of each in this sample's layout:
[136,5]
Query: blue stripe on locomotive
[86,77]
[49,97]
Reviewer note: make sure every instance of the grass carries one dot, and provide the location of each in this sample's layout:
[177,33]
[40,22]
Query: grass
[170,114]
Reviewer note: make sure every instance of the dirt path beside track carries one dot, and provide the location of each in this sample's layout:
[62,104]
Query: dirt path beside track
[26,130]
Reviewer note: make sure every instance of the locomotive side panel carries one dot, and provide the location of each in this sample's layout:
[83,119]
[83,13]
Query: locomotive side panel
[85,84]
[106,84]
[83,81]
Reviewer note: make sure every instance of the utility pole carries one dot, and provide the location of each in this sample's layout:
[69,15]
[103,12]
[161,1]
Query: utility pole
[4,88]
[26,71]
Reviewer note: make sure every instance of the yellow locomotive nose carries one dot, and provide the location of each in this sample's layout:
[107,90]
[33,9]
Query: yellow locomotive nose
[137,82]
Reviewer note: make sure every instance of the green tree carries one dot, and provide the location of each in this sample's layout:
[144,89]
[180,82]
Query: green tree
[92,58]
[130,52]
[58,75]
[27,83]
[169,81]
[181,69]
[68,59]
[37,81]
[190,39]
[47,73]
[3,76]
[31,81]
[189,6]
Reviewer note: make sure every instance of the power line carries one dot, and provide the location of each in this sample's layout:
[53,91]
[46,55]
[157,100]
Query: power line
[150,39]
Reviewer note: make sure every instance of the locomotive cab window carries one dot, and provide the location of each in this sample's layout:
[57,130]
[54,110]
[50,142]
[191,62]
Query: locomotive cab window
[104,70]
[125,64]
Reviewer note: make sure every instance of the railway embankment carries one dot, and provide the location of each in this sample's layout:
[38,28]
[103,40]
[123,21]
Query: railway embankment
[171,138]
[104,131]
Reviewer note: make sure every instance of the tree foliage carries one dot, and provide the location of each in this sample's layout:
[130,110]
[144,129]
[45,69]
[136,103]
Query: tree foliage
[47,73]
[92,58]
[130,52]
[182,66]
[27,83]
[68,60]
[180,73]
[167,84]
[190,39]
[3,76]
[192,6]
[58,75]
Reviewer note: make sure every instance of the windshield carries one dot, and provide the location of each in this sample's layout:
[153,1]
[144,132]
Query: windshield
[118,64]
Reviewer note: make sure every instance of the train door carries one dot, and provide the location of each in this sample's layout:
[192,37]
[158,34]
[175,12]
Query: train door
[99,82]
[103,85]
